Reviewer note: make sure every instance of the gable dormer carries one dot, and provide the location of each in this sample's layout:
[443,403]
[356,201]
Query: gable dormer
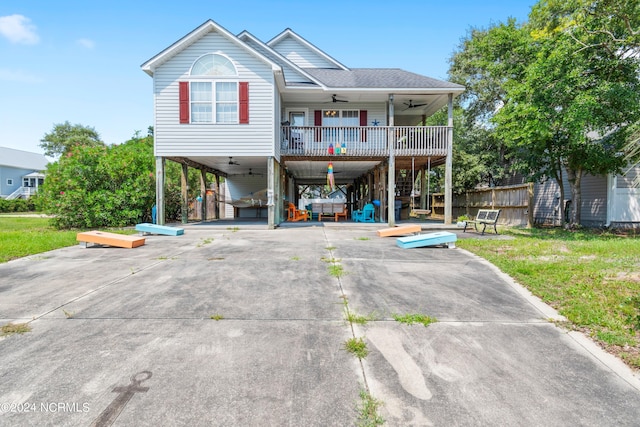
[302,53]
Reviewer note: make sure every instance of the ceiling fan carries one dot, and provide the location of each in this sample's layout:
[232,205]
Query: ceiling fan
[334,98]
[233,162]
[412,105]
[251,173]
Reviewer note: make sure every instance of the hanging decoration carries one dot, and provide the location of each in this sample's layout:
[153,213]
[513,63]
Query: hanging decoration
[330,149]
[330,180]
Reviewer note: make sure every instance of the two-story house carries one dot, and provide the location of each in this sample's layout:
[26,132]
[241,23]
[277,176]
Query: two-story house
[273,115]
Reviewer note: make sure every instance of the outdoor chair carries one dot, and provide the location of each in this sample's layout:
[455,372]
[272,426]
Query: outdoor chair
[365,214]
[294,214]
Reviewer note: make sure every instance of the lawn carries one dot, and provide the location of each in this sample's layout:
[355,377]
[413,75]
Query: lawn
[22,236]
[592,278]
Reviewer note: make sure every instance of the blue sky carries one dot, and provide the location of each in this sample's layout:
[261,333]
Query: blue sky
[79,61]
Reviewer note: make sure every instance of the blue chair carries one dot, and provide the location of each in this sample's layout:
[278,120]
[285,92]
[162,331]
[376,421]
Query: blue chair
[365,214]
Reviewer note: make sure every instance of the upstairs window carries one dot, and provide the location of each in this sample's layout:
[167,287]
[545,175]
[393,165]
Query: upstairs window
[214,95]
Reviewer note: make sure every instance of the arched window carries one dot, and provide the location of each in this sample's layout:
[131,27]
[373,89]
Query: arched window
[213,64]
[213,93]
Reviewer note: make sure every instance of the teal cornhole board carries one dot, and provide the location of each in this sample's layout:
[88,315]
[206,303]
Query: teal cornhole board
[146,228]
[428,239]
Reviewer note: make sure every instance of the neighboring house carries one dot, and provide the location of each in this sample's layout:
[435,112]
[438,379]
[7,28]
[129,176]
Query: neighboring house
[20,173]
[607,201]
[271,116]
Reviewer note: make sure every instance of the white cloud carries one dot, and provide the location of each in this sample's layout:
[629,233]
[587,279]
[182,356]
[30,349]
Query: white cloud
[87,43]
[18,29]
[18,76]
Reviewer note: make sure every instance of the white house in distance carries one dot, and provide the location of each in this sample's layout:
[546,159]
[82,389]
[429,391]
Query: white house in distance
[20,173]
[271,116]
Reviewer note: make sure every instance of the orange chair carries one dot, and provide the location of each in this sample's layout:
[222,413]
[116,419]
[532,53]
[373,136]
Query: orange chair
[294,214]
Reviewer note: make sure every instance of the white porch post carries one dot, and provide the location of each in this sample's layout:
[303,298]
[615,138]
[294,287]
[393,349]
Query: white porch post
[271,181]
[391,190]
[448,175]
[160,216]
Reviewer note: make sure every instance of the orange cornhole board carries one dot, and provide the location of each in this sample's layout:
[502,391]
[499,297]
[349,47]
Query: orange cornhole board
[400,230]
[111,239]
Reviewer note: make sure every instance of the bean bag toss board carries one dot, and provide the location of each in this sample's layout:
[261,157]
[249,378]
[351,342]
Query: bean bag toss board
[399,230]
[109,239]
[146,228]
[429,239]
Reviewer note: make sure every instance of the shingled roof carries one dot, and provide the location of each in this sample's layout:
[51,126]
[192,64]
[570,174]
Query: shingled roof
[377,78]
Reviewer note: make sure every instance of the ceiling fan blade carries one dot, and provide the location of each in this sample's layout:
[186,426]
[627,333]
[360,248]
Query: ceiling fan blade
[335,99]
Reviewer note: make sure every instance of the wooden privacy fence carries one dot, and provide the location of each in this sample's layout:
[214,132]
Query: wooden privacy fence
[514,201]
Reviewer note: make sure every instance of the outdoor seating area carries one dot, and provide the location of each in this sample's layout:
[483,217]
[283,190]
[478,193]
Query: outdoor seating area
[294,214]
[484,217]
[331,210]
[366,214]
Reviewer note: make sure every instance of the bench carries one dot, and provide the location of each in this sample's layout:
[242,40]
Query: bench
[146,228]
[484,217]
[335,210]
[109,239]
[400,230]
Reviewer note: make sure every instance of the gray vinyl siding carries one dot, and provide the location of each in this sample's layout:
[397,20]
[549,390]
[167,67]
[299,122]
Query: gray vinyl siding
[301,55]
[545,203]
[175,139]
[593,212]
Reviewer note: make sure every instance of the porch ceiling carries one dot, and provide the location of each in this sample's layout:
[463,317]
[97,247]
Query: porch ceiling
[315,172]
[422,103]
[309,171]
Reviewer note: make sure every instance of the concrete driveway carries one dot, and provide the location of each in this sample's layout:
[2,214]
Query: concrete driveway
[126,337]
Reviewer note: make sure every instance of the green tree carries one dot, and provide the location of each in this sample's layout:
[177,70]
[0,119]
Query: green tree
[571,109]
[485,61]
[65,136]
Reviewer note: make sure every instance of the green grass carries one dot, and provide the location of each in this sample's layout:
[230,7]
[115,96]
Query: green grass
[357,347]
[23,236]
[410,319]
[353,317]
[590,277]
[336,270]
[216,317]
[14,328]
[368,411]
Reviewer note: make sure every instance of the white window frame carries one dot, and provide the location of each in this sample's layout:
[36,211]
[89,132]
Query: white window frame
[9,181]
[343,135]
[214,103]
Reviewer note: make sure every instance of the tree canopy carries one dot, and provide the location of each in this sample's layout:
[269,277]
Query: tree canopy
[65,136]
[558,93]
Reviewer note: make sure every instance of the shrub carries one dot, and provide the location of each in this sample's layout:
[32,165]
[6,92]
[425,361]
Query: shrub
[98,186]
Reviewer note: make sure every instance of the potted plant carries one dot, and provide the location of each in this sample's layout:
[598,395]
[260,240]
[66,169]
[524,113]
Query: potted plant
[462,221]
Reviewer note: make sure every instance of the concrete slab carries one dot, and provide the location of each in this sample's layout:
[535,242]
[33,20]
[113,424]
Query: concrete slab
[141,322]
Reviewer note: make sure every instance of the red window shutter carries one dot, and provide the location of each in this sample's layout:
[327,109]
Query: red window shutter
[243,96]
[184,102]
[363,122]
[317,121]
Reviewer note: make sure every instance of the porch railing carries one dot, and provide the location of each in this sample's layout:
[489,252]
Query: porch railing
[25,192]
[364,141]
